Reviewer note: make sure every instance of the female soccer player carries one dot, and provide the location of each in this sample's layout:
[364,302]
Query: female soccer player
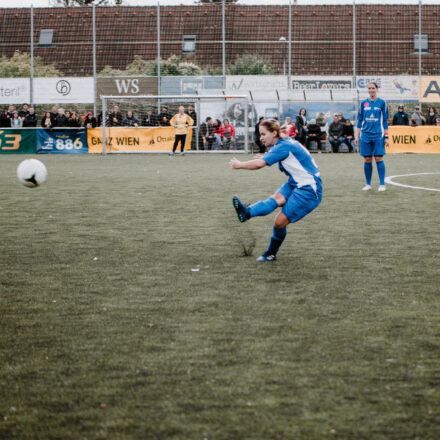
[372,127]
[181,121]
[301,194]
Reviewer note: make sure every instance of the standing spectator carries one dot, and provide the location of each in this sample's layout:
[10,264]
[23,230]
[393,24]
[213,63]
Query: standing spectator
[193,115]
[61,119]
[437,122]
[164,117]
[31,119]
[349,135]
[432,116]
[130,120]
[228,134]
[400,117]
[287,126]
[417,116]
[218,133]
[301,124]
[115,117]
[182,122]
[68,114]
[258,143]
[341,118]
[90,120]
[74,121]
[11,110]
[150,119]
[335,133]
[48,120]
[207,133]
[314,134]
[16,121]
[54,112]
[6,116]
[23,112]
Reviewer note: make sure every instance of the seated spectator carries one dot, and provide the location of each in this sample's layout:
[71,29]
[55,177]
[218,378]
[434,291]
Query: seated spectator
[89,120]
[61,119]
[431,117]
[150,120]
[164,117]
[400,117]
[23,112]
[417,116]
[228,134]
[31,119]
[5,120]
[48,120]
[341,117]
[114,118]
[130,120]
[437,122]
[412,123]
[349,135]
[16,121]
[74,121]
[335,133]
[68,114]
[54,112]
[218,133]
[207,134]
[314,134]
[285,128]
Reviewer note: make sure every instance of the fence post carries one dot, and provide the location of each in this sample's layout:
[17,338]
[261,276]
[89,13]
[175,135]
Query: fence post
[289,70]
[31,82]
[420,37]
[223,44]
[158,51]
[354,43]
[94,58]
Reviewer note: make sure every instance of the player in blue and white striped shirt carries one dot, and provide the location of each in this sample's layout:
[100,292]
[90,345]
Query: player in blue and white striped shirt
[301,194]
[372,126]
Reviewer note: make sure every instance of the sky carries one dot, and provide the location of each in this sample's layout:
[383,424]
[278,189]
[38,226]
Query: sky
[45,3]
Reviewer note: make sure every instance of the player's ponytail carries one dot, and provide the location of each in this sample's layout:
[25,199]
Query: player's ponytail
[272,125]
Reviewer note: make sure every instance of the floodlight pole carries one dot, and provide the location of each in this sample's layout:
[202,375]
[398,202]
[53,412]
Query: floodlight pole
[104,129]
[31,83]
[354,43]
[420,37]
[223,44]
[289,72]
[94,57]
[158,54]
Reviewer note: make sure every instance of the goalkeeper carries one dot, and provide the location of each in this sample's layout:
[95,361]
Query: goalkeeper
[181,121]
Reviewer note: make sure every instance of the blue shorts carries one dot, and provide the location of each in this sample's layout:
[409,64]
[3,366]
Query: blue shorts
[299,201]
[372,146]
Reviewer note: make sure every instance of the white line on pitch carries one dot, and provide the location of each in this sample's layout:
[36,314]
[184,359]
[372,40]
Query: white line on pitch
[390,181]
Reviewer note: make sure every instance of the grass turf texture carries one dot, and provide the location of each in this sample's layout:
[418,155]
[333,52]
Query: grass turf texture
[128,310]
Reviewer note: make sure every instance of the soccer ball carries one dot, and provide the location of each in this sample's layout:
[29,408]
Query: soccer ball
[31,173]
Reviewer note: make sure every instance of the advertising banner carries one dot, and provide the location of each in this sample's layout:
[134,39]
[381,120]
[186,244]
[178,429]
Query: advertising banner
[134,139]
[62,141]
[189,85]
[69,90]
[245,83]
[429,89]
[321,82]
[126,85]
[393,88]
[423,139]
[14,90]
[16,140]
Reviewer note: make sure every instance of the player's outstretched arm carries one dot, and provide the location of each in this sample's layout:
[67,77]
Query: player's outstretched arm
[254,164]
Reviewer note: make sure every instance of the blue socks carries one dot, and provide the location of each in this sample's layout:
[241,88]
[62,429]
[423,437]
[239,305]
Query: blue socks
[278,236]
[263,207]
[381,171]
[368,171]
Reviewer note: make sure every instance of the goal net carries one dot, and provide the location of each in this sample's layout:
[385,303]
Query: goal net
[146,124]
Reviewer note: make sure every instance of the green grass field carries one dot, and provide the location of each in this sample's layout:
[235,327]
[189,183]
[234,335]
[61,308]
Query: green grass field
[128,311]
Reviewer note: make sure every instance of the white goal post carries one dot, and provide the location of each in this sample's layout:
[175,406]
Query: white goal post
[235,108]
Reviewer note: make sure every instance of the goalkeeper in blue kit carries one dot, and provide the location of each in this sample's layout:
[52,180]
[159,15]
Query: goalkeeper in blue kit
[372,135]
[300,195]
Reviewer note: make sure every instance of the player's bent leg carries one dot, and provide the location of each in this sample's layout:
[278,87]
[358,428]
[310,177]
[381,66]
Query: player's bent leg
[276,240]
[381,171]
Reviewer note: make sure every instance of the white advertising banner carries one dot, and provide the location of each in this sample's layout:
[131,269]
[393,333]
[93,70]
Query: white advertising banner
[14,91]
[69,90]
[255,82]
[392,88]
[321,82]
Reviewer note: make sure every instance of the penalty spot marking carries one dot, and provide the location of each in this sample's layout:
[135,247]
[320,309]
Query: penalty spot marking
[390,181]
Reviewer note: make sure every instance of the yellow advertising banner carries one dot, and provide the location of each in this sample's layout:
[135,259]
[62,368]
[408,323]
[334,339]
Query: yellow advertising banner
[429,88]
[424,139]
[134,139]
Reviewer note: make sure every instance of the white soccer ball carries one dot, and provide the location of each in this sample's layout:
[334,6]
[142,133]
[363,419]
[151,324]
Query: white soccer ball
[31,173]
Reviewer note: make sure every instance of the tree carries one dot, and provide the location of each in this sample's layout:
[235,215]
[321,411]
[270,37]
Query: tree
[172,66]
[250,64]
[19,66]
[67,3]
